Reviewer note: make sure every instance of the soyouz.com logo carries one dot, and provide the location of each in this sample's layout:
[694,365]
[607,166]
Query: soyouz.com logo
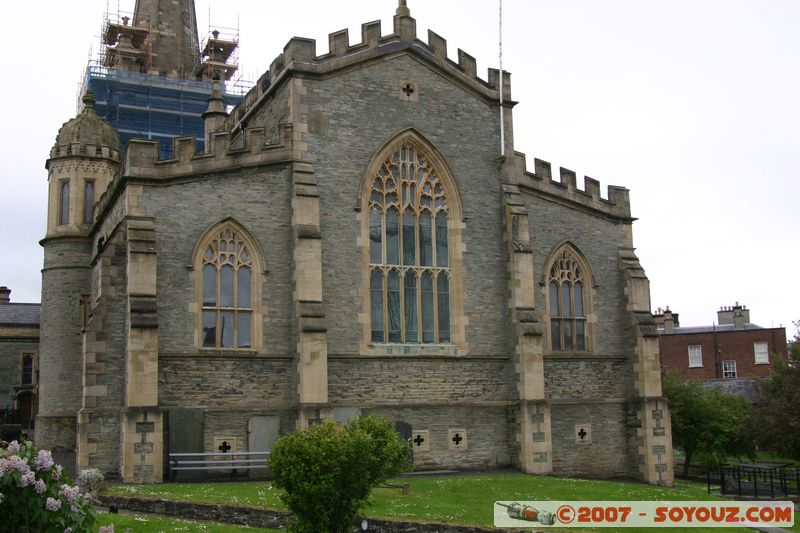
[642,514]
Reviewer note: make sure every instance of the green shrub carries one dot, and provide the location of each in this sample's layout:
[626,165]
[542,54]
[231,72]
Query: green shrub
[326,472]
[35,495]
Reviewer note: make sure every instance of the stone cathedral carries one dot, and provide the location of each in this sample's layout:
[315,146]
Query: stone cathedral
[348,239]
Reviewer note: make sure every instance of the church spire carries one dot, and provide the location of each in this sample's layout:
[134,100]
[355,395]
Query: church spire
[172,40]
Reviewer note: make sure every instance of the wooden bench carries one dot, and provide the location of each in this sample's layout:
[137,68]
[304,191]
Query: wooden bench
[211,461]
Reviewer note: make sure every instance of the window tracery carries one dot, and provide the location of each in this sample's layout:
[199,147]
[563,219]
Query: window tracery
[227,290]
[410,275]
[567,299]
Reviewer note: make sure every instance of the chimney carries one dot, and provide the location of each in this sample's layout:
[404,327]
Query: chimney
[725,316]
[739,317]
[5,295]
[669,322]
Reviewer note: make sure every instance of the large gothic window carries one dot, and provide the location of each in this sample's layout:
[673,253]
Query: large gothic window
[410,275]
[228,266]
[567,300]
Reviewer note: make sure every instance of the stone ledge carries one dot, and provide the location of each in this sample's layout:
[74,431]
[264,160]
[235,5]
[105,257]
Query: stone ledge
[249,516]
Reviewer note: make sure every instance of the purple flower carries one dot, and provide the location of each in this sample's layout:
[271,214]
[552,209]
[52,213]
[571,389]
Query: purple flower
[68,530]
[40,486]
[106,529]
[52,504]
[19,463]
[13,447]
[70,493]
[5,464]
[44,460]
[57,473]
[27,478]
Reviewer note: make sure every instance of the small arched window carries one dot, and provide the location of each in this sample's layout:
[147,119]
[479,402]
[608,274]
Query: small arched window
[409,252]
[63,203]
[228,269]
[567,298]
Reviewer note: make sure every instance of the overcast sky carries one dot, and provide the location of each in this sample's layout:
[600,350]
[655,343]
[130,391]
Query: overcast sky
[692,105]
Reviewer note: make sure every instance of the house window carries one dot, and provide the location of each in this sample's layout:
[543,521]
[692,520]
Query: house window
[761,352]
[63,211]
[409,252]
[695,356]
[729,369]
[228,290]
[27,369]
[567,301]
[88,202]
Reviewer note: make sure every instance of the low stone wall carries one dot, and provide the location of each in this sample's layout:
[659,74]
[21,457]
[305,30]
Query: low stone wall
[248,516]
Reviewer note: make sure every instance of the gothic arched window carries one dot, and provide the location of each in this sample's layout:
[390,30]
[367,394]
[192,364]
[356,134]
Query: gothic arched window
[567,280]
[409,252]
[229,268]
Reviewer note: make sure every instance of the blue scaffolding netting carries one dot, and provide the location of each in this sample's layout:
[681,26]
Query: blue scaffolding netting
[153,107]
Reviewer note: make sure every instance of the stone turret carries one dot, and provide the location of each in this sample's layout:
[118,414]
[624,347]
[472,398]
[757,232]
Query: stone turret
[82,163]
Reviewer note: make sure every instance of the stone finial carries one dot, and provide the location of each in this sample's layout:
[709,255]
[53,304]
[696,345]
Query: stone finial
[402,9]
[89,99]
[5,295]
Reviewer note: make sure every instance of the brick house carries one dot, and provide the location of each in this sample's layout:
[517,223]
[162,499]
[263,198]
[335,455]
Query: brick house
[730,349]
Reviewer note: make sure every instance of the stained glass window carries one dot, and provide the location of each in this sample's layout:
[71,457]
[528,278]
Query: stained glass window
[566,299]
[408,253]
[227,292]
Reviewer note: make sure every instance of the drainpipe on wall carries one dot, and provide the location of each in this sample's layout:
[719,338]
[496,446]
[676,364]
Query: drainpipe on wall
[717,363]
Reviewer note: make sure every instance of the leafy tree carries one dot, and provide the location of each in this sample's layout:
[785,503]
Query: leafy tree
[779,410]
[327,472]
[707,424]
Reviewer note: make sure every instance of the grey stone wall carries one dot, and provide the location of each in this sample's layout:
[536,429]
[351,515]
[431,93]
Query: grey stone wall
[113,327]
[232,382]
[248,516]
[272,114]
[65,277]
[487,434]
[393,380]
[605,456]
[550,225]
[11,353]
[107,458]
[260,201]
[59,434]
[585,379]
[464,129]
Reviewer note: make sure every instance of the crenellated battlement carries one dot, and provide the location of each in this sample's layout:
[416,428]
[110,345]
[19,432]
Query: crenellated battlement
[84,150]
[225,151]
[300,56]
[617,204]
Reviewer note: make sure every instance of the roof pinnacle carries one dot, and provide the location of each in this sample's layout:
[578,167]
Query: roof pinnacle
[402,9]
[89,99]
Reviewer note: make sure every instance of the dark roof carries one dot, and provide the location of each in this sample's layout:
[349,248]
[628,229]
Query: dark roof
[708,329]
[12,314]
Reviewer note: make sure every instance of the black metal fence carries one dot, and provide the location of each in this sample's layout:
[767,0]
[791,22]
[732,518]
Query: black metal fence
[756,482]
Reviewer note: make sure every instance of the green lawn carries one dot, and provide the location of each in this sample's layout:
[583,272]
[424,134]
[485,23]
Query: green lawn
[465,499]
[152,524]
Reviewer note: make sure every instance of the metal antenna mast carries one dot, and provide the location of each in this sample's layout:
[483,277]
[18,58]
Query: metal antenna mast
[502,117]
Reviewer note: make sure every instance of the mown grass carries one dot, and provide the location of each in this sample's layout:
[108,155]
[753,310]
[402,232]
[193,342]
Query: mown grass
[463,499]
[151,524]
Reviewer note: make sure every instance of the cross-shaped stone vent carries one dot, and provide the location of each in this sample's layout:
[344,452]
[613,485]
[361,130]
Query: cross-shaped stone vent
[583,433]
[457,439]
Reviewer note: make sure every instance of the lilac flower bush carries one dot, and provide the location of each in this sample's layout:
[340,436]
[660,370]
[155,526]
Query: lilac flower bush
[36,497]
